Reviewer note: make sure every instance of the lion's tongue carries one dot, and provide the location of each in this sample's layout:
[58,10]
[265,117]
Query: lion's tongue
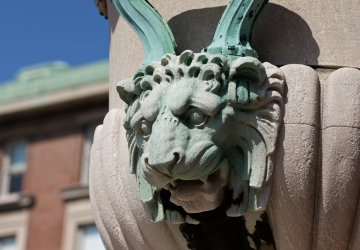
[199,196]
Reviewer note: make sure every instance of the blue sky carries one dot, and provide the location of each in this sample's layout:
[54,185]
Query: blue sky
[33,32]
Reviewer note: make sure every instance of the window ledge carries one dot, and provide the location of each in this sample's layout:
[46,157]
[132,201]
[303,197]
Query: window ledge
[75,193]
[15,201]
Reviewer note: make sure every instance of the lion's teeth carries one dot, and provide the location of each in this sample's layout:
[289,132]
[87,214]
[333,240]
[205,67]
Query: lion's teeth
[174,217]
[167,186]
[190,220]
[173,183]
[204,179]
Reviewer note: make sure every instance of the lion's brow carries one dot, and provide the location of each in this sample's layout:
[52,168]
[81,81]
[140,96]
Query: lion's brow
[179,101]
[207,102]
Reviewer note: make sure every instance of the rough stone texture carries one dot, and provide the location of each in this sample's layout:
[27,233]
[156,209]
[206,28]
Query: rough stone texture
[323,74]
[302,98]
[309,32]
[121,216]
[339,188]
[292,204]
[355,236]
[102,207]
[341,100]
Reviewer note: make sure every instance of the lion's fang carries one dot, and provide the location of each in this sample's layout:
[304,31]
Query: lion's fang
[204,179]
[173,183]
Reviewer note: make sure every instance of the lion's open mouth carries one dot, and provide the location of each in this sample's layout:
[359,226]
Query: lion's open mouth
[196,167]
[192,185]
[196,196]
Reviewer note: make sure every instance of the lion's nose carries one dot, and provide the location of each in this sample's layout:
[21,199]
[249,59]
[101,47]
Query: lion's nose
[166,166]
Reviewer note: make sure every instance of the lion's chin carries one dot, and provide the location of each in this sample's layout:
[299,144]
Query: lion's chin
[196,196]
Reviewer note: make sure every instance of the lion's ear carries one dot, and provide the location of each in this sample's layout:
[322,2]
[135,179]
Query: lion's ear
[246,74]
[126,90]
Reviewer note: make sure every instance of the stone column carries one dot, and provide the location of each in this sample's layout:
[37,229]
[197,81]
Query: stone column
[315,196]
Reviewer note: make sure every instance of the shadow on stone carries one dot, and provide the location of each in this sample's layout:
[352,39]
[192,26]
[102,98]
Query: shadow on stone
[281,37]
[194,29]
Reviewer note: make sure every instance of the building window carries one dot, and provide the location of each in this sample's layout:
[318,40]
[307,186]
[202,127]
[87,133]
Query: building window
[88,141]
[8,243]
[79,227]
[89,238]
[14,163]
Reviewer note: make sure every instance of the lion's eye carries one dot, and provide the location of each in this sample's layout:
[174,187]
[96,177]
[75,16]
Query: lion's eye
[146,128]
[196,117]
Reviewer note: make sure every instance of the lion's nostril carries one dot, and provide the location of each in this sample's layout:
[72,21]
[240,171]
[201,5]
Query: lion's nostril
[146,160]
[163,166]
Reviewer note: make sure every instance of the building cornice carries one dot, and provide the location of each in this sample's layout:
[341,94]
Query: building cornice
[39,81]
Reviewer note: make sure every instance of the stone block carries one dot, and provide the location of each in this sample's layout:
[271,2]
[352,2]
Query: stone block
[101,207]
[292,204]
[317,33]
[341,99]
[302,95]
[339,188]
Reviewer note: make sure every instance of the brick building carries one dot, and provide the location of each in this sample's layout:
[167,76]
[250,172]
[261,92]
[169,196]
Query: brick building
[47,119]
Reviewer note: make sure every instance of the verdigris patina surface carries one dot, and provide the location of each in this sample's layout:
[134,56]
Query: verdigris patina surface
[201,126]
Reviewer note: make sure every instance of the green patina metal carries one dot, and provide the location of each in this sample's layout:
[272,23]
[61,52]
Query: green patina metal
[155,35]
[45,78]
[233,34]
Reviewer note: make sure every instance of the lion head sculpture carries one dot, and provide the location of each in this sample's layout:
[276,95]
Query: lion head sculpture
[201,130]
